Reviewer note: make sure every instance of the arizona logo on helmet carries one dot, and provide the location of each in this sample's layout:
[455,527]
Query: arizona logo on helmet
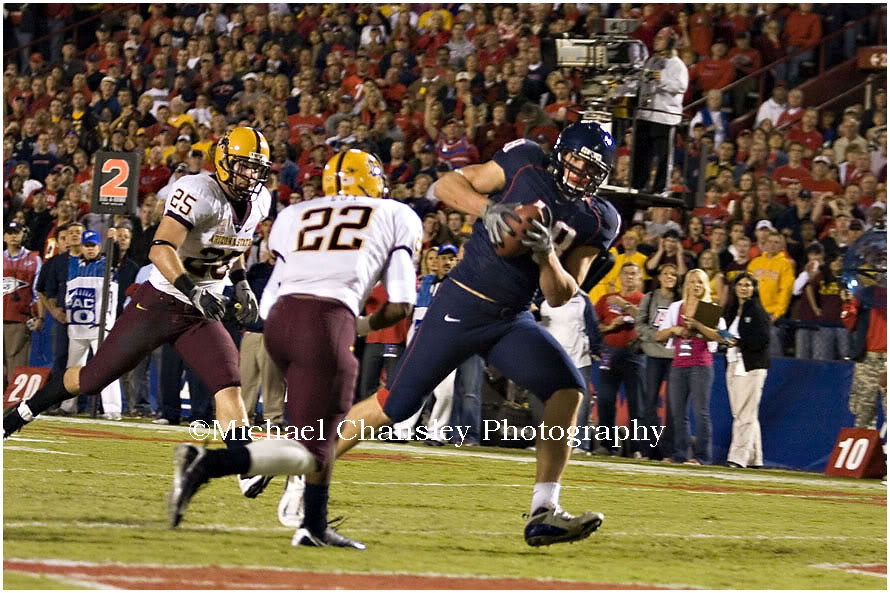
[241,160]
[355,173]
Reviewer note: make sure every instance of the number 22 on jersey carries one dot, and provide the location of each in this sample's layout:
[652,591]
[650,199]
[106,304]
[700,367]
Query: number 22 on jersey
[333,229]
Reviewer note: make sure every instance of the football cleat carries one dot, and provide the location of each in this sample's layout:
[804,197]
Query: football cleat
[253,486]
[12,422]
[303,537]
[553,525]
[188,476]
[290,507]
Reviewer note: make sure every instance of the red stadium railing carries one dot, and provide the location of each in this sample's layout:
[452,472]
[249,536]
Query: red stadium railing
[760,75]
[75,27]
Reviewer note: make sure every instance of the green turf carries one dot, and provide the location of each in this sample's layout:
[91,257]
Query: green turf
[17,580]
[446,511]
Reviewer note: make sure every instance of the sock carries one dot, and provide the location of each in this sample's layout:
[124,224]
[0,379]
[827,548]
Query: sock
[225,462]
[25,412]
[315,500]
[52,393]
[546,494]
[238,438]
[271,457]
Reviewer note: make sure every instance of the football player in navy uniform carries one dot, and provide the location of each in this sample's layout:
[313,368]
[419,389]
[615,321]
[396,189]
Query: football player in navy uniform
[482,308]
[208,223]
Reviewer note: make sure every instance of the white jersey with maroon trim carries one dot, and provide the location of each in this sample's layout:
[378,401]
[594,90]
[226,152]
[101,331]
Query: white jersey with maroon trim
[340,246]
[216,238]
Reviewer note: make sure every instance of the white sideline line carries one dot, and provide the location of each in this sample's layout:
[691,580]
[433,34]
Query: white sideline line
[24,440]
[427,530]
[839,498]
[38,450]
[846,568]
[70,580]
[629,468]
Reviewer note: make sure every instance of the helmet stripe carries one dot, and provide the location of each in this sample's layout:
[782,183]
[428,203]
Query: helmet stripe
[337,172]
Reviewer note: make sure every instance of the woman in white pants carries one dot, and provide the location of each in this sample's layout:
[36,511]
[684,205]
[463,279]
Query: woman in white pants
[747,361]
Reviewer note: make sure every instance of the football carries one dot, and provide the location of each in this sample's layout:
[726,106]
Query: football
[527,212]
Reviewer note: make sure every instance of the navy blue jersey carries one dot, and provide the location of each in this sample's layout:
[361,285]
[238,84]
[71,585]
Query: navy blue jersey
[513,281]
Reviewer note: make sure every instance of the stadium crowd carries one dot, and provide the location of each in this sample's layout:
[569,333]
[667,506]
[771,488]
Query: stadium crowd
[431,88]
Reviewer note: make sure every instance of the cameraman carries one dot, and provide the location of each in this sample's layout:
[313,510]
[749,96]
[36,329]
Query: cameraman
[660,110]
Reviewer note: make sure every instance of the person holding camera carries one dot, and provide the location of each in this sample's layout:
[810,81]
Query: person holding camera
[660,110]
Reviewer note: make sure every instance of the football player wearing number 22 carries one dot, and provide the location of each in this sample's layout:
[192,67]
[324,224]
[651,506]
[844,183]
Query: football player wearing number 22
[208,224]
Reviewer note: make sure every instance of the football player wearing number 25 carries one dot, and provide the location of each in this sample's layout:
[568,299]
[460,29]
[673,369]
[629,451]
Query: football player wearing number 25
[208,223]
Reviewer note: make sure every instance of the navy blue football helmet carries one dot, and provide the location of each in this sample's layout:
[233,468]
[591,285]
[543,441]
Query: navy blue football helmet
[587,141]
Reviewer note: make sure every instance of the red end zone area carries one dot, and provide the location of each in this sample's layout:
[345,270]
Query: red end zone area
[154,576]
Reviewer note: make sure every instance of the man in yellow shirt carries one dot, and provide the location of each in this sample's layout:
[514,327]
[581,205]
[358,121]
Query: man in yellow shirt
[775,278]
[178,116]
[612,281]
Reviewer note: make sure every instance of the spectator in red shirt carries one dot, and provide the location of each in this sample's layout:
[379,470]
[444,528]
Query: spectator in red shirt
[746,60]
[794,111]
[701,30]
[711,212]
[803,31]
[794,170]
[819,184]
[154,174]
[713,73]
[561,110]
[807,134]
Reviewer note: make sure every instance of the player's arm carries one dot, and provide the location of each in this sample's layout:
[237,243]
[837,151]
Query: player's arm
[168,239]
[467,190]
[163,254]
[559,284]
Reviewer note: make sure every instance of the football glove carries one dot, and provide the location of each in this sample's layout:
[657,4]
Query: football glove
[494,219]
[250,310]
[538,239]
[209,304]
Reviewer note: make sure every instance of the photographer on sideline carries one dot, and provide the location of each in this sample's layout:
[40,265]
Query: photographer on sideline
[660,110]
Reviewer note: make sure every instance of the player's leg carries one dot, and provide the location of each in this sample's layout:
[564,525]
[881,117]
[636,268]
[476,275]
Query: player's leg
[531,357]
[436,349]
[143,326]
[208,349]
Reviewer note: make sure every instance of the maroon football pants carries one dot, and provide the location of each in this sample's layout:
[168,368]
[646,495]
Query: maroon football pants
[153,318]
[311,339]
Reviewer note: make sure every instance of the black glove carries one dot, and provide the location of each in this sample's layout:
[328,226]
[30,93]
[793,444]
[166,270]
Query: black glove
[211,305]
[494,219]
[250,310]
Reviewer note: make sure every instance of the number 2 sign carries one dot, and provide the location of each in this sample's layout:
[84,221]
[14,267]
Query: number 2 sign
[115,182]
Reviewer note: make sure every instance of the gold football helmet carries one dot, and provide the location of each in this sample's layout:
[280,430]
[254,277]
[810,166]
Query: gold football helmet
[354,172]
[241,160]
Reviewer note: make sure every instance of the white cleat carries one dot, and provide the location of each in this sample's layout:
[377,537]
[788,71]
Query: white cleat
[253,486]
[290,507]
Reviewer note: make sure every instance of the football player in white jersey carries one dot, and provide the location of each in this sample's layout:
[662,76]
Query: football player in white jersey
[330,251]
[208,224]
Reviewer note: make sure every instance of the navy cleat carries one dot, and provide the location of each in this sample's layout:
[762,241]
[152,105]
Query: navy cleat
[12,422]
[253,486]
[188,476]
[330,537]
[553,525]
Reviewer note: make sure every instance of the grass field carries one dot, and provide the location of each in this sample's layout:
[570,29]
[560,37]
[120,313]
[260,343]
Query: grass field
[83,507]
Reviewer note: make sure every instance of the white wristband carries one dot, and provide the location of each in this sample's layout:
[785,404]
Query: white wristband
[363,325]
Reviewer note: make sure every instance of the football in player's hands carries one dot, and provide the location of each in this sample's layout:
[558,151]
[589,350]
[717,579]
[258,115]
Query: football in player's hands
[527,212]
